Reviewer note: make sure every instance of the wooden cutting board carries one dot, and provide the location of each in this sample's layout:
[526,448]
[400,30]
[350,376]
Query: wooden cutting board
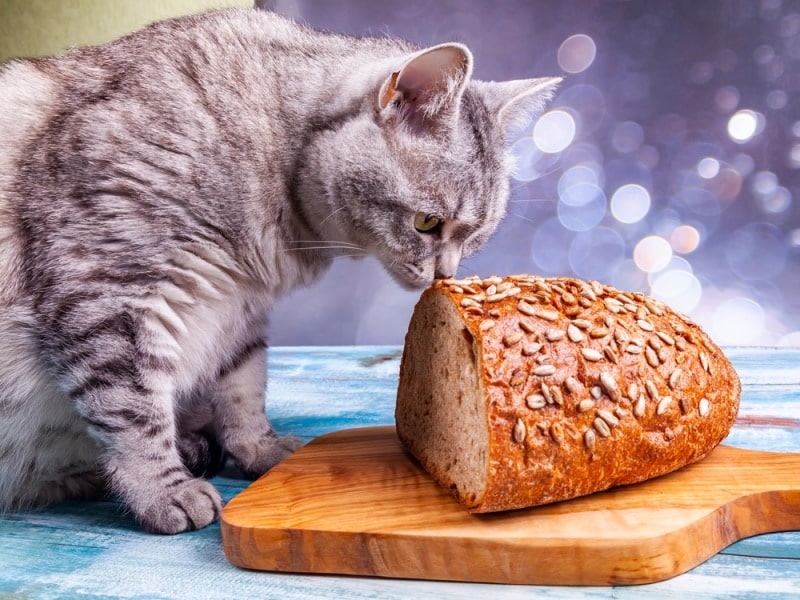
[353,502]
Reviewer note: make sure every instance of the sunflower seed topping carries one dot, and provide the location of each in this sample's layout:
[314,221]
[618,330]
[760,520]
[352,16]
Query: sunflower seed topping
[526,309]
[704,407]
[573,386]
[527,325]
[610,354]
[652,390]
[547,314]
[598,332]
[609,417]
[558,396]
[704,362]
[610,385]
[468,302]
[531,349]
[486,325]
[667,339]
[675,378]
[590,440]
[456,289]
[651,356]
[520,431]
[639,406]
[633,391]
[544,370]
[663,405]
[553,334]
[585,405]
[591,354]
[535,401]
[602,427]
[582,324]
[596,391]
[575,334]
[633,349]
[510,339]
[557,433]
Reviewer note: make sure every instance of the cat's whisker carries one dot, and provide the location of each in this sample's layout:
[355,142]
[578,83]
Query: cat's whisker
[330,215]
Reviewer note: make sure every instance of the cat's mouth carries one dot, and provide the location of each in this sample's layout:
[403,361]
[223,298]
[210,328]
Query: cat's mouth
[410,276]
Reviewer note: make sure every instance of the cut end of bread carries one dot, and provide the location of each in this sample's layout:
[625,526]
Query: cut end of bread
[441,414]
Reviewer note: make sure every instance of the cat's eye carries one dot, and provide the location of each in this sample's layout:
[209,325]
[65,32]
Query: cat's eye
[427,222]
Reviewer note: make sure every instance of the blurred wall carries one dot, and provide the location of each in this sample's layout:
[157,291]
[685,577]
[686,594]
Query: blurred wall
[42,27]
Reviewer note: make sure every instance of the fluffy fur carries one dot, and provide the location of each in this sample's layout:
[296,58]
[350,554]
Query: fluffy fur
[158,193]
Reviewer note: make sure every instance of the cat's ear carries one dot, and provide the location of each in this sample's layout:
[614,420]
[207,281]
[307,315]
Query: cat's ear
[513,102]
[427,88]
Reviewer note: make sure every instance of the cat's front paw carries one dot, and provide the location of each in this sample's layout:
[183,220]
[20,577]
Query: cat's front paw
[201,453]
[268,452]
[192,504]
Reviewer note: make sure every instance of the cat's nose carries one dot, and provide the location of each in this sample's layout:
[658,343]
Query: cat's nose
[447,262]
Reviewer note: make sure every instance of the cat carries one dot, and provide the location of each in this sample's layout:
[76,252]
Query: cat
[158,193]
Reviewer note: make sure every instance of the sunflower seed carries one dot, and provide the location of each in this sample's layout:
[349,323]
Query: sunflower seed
[558,397]
[704,408]
[527,325]
[490,281]
[518,377]
[675,378]
[582,324]
[519,431]
[526,309]
[496,297]
[493,312]
[486,325]
[456,289]
[620,412]
[510,339]
[610,354]
[553,334]
[642,312]
[633,391]
[598,332]
[601,427]
[590,440]
[573,386]
[652,390]
[574,333]
[680,343]
[531,348]
[633,349]
[535,401]
[651,356]
[548,397]
[621,335]
[655,343]
[609,321]
[686,405]
[591,354]
[557,433]
[704,362]
[544,370]
[588,293]
[667,339]
[663,354]
[663,405]
[610,385]
[547,314]
[639,406]
[609,417]
[613,305]
[585,405]
[596,391]
[502,287]
[473,310]
[568,298]
[467,302]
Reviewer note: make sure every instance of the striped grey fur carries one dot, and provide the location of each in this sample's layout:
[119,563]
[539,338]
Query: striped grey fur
[158,193]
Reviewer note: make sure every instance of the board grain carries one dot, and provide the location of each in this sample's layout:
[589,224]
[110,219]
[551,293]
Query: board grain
[353,502]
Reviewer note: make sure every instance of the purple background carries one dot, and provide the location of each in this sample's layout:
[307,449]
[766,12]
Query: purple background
[670,87]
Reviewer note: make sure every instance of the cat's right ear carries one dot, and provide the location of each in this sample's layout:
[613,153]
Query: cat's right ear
[425,92]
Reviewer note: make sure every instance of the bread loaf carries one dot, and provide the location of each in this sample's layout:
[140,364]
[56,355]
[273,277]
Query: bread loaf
[521,391]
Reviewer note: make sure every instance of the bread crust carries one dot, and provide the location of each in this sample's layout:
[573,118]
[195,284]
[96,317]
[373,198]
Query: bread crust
[585,388]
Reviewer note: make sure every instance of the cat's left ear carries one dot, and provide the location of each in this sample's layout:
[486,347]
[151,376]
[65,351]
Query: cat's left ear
[512,102]
[427,89]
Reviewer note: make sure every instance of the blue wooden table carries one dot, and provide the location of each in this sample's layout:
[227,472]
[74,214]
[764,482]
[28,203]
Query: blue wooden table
[93,550]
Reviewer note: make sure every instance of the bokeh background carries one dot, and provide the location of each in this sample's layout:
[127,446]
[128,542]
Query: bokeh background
[668,163]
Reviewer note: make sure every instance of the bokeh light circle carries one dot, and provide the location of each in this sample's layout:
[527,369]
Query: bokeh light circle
[684,239]
[581,206]
[554,131]
[744,125]
[630,203]
[652,253]
[576,53]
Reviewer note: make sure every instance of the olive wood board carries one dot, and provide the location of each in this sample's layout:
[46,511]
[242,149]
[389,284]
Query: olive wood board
[354,502]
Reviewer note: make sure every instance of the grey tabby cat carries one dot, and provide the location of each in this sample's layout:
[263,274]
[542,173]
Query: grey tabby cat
[158,193]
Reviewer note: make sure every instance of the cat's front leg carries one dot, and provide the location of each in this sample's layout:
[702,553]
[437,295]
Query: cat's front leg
[137,431]
[238,404]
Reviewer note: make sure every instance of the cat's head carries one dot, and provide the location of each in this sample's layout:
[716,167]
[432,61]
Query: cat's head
[417,174]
